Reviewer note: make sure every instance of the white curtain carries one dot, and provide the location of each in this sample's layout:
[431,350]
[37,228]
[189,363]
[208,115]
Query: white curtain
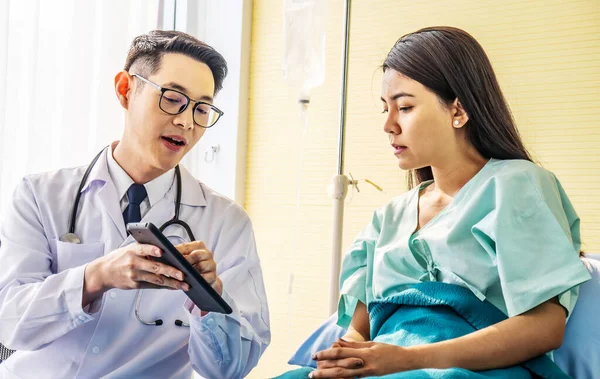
[58,60]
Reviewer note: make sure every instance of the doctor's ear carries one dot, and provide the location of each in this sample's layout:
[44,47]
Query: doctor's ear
[123,83]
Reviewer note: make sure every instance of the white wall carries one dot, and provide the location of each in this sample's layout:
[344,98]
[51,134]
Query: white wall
[57,64]
[225,25]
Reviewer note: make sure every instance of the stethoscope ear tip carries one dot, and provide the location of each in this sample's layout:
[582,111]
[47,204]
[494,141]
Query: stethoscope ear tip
[181,323]
[158,322]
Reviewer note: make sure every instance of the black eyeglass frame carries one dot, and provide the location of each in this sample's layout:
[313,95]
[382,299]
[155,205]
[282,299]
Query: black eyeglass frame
[197,103]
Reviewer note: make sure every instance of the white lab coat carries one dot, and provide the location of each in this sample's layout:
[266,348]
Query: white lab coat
[41,281]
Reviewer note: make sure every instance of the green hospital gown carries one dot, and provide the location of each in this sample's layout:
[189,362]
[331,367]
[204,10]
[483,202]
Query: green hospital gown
[510,235]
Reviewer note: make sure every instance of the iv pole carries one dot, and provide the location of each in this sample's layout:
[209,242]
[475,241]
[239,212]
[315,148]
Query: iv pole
[340,182]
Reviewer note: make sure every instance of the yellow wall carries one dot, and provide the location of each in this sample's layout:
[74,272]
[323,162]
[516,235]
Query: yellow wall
[546,54]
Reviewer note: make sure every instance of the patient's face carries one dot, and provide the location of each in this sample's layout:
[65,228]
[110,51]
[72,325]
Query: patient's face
[418,124]
[152,130]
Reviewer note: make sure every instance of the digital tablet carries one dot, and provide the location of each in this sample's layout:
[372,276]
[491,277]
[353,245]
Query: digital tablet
[200,292]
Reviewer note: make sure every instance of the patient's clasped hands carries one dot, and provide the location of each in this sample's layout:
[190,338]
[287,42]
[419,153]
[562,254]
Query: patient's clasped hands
[350,359]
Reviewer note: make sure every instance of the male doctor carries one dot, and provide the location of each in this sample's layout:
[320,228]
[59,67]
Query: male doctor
[100,307]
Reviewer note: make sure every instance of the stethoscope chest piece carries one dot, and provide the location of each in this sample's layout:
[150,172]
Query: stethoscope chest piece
[70,238]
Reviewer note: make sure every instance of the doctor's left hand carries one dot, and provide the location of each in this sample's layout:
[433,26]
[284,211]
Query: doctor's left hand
[202,259]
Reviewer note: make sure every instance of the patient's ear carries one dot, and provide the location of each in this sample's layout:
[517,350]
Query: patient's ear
[123,82]
[459,115]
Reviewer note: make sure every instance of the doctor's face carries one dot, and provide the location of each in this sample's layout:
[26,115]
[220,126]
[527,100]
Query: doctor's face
[158,138]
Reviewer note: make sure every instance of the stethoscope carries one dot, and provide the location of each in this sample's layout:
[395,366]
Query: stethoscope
[71,237]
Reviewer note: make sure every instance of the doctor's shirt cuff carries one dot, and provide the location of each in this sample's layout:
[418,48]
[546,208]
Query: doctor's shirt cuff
[73,292]
[215,325]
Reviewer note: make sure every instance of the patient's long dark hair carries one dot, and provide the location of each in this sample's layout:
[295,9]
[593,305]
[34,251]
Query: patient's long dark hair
[452,64]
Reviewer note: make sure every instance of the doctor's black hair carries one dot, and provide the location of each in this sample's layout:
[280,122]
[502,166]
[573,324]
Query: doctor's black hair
[147,50]
[452,64]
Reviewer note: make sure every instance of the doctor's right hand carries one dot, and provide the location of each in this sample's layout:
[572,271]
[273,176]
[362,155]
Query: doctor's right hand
[129,267]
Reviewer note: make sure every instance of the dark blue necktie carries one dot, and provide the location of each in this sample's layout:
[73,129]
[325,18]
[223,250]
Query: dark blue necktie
[136,194]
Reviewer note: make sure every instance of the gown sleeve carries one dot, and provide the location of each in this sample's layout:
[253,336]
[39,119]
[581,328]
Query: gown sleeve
[355,278]
[533,231]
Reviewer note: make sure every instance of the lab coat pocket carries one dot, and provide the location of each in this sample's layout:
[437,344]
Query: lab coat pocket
[69,255]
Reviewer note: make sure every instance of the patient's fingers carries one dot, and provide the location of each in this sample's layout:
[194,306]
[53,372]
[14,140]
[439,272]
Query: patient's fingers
[355,344]
[346,363]
[334,353]
[335,372]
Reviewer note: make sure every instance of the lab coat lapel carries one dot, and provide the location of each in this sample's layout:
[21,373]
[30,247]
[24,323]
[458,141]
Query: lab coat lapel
[163,210]
[191,191]
[108,200]
[110,203]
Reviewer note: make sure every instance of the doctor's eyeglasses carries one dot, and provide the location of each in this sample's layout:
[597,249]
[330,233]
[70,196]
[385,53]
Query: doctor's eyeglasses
[175,102]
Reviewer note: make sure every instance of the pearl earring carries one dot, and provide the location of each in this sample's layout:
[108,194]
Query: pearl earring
[456,122]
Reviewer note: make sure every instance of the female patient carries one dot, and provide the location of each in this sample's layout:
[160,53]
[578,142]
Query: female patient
[480,215]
